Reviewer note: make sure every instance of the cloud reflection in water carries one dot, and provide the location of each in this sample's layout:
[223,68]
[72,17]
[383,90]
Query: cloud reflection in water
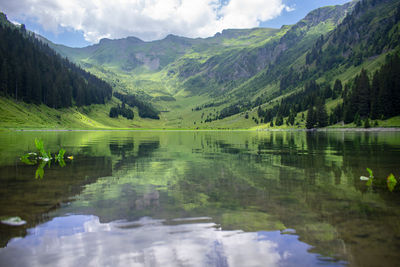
[81,240]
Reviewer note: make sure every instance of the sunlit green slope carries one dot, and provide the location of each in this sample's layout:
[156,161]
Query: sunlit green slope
[221,81]
[180,74]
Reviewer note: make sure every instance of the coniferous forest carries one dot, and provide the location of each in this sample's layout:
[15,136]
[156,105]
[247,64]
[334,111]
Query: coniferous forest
[368,96]
[32,72]
[145,110]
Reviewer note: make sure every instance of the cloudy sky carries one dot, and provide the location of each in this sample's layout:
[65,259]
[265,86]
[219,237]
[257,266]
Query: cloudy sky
[84,22]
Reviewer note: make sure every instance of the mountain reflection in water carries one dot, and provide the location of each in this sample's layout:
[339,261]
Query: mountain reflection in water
[235,193]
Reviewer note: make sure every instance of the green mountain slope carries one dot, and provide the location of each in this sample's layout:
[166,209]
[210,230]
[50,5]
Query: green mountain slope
[239,78]
[132,54]
[32,72]
[211,66]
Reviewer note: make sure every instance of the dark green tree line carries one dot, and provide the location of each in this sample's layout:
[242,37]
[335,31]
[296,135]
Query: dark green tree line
[121,110]
[376,99]
[32,72]
[145,110]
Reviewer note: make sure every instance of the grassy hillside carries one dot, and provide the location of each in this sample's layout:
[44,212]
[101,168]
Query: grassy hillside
[212,66]
[29,116]
[221,81]
[19,115]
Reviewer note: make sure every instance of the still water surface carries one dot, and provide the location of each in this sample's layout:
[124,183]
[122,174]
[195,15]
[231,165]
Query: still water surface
[201,199]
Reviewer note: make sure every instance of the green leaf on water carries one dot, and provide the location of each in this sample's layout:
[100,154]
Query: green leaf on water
[39,144]
[40,147]
[60,157]
[39,173]
[61,162]
[371,174]
[27,159]
[368,179]
[40,170]
[61,153]
[391,182]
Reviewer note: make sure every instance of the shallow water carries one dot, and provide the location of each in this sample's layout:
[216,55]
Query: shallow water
[201,199]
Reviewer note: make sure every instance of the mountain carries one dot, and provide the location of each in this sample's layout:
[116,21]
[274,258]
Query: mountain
[241,77]
[202,65]
[234,66]
[212,65]
[132,53]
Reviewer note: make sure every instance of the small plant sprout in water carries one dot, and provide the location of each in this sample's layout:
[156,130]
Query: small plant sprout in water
[60,157]
[390,180]
[368,179]
[43,155]
[41,158]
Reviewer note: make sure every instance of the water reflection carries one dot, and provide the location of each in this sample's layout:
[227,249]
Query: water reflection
[250,186]
[83,241]
[23,195]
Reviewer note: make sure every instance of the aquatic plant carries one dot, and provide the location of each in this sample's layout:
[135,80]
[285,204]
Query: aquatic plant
[41,158]
[42,153]
[60,157]
[391,181]
[368,179]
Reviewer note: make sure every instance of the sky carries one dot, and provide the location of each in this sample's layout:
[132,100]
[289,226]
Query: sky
[79,23]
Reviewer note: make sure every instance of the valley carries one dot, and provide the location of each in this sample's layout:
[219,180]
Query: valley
[230,80]
[246,147]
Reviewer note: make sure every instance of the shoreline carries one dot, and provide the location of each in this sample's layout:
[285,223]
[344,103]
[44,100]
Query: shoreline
[372,129]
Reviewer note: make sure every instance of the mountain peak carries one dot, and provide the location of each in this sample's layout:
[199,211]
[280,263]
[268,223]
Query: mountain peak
[172,37]
[134,39]
[105,41]
[130,39]
[333,13]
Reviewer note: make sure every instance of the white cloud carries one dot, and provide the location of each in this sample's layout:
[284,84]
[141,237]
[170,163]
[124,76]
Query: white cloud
[146,19]
[249,13]
[290,8]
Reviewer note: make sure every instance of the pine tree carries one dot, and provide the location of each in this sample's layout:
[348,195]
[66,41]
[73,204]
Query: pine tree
[375,103]
[310,119]
[366,123]
[362,89]
[279,120]
[321,114]
[291,117]
[350,103]
[337,89]
[4,77]
[385,92]
[113,112]
[357,120]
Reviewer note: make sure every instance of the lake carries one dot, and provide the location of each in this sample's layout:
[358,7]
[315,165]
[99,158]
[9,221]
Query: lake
[201,198]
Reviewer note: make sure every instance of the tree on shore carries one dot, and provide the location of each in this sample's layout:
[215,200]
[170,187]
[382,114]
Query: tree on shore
[310,120]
